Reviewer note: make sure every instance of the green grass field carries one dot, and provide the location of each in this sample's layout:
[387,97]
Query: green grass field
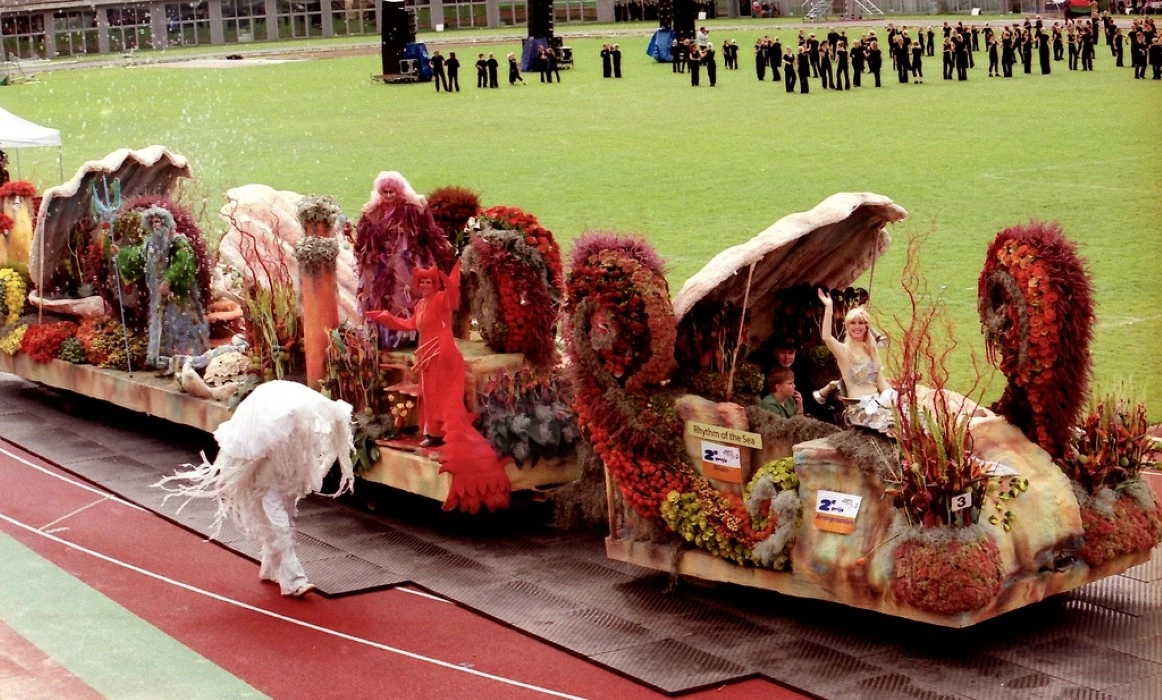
[693,170]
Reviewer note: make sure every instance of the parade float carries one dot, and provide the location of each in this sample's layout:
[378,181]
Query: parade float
[121,297]
[961,513]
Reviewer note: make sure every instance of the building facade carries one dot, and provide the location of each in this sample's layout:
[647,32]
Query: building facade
[52,28]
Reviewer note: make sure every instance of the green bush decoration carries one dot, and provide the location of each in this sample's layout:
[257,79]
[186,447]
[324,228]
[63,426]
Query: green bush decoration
[72,351]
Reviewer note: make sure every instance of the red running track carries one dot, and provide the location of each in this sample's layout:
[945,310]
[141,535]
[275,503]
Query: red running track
[390,643]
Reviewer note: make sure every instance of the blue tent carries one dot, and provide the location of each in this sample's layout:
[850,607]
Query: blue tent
[529,63]
[660,43]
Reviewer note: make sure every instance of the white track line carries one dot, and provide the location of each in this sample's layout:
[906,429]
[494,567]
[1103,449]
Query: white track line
[67,480]
[283,618]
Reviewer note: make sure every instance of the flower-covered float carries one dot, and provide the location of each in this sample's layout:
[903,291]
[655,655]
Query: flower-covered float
[125,299]
[961,514]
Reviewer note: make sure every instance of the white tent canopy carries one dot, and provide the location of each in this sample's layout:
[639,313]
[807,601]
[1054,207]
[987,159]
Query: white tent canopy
[21,133]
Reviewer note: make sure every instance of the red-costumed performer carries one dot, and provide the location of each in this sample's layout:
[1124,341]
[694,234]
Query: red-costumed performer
[396,235]
[478,476]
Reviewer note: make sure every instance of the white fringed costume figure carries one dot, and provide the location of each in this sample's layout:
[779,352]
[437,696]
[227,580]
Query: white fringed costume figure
[277,447]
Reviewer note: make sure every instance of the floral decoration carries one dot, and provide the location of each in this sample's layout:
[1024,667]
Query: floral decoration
[1119,523]
[72,351]
[528,415]
[452,208]
[6,224]
[618,285]
[17,188]
[42,342]
[620,338]
[13,292]
[105,344]
[950,575]
[1110,447]
[11,337]
[513,268]
[1041,345]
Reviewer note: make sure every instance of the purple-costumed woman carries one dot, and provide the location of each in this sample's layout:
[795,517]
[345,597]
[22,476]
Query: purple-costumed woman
[396,235]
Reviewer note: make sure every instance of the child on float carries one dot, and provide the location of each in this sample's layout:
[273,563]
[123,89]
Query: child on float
[868,395]
[784,401]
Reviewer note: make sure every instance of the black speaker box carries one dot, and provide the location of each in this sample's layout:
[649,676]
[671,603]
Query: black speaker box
[684,16]
[665,14]
[540,18]
[398,26]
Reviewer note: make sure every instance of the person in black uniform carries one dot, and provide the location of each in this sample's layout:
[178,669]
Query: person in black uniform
[875,61]
[760,59]
[606,62]
[949,59]
[1139,56]
[493,71]
[917,63]
[960,50]
[775,56]
[857,59]
[675,61]
[994,62]
[803,63]
[453,66]
[1058,43]
[615,54]
[1074,51]
[543,66]
[1119,47]
[1087,49]
[554,69]
[710,61]
[975,38]
[1155,55]
[931,41]
[481,72]
[833,39]
[694,63]
[900,55]
[813,54]
[842,72]
[514,71]
[1027,51]
[438,77]
[1043,51]
[789,69]
[825,76]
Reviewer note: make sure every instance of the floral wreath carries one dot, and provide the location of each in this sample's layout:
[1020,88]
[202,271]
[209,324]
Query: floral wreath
[513,267]
[621,331]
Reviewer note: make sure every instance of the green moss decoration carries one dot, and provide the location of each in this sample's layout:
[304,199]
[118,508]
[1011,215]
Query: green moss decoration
[321,209]
[316,254]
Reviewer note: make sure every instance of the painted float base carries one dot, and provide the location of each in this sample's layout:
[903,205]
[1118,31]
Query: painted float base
[1017,593]
[416,470]
[143,392]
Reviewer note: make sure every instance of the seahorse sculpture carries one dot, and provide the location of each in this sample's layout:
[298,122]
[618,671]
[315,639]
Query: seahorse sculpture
[1035,300]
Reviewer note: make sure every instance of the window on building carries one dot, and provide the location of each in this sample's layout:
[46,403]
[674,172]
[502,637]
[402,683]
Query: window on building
[23,35]
[299,20]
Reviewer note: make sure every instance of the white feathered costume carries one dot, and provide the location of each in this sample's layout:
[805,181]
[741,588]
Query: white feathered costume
[277,447]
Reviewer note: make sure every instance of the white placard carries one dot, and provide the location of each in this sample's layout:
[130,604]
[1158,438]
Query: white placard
[722,455]
[836,512]
[962,501]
